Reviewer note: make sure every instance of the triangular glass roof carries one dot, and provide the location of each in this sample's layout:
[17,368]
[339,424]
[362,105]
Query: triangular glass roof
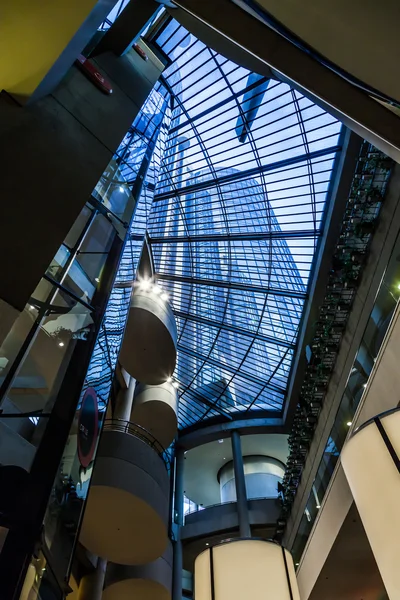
[238,210]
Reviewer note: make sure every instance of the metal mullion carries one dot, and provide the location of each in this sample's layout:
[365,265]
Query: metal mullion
[199,92]
[221,104]
[233,98]
[168,39]
[240,375]
[249,173]
[217,237]
[262,147]
[172,73]
[264,137]
[195,83]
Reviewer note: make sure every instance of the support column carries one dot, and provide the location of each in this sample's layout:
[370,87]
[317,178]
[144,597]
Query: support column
[128,27]
[123,405]
[178,519]
[40,41]
[91,586]
[240,484]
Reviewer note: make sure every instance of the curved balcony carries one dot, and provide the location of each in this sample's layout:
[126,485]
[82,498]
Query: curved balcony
[220,521]
[155,408]
[153,580]
[126,516]
[148,351]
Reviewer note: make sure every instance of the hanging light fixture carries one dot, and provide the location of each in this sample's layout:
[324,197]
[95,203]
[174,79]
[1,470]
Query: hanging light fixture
[371,462]
[245,568]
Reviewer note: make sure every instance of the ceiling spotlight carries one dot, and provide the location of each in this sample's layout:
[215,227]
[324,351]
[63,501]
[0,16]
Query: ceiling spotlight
[61,344]
[224,458]
[121,188]
[318,506]
[364,385]
[164,296]
[175,384]
[207,544]
[169,379]
[349,423]
[97,280]
[145,285]
[297,564]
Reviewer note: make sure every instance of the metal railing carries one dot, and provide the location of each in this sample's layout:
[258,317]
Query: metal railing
[142,434]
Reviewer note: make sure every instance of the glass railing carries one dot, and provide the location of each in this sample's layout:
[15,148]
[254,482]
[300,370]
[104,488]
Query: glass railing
[378,323]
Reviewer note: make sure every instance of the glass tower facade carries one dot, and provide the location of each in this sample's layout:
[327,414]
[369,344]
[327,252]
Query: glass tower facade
[237,214]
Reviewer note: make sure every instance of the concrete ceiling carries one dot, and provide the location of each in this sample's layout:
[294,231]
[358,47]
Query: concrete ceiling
[350,571]
[203,463]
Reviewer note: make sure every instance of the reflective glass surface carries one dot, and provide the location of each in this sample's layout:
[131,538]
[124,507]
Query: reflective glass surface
[237,214]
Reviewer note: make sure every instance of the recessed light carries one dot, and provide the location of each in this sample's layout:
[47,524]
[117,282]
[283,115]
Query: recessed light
[207,544]
[349,423]
[61,344]
[318,506]
[297,564]
[220,441]
[97,279]
[224,458]
[364,385]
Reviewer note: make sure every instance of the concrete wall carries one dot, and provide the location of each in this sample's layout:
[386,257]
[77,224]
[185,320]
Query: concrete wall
[381,248]
[381,394]
[54,153]
[361,36]
[224,517]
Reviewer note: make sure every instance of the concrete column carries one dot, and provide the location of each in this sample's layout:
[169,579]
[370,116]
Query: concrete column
[91,586]
[240,484]
[128,27]
[123,405]
[39,41]
[179,519]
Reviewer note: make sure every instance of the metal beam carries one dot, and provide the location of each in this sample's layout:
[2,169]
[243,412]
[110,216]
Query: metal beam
[333,93]
[202,433]
[236,237]
[256,289]
[212,361]
[248,173]
[225,327]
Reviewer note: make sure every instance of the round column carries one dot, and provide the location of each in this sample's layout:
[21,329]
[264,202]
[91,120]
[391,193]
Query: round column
[238,569]
[261,475]
[91,586]
[155,408]
[371,462]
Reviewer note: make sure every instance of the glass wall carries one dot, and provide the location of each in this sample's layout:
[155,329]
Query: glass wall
[238,212]
[378,323]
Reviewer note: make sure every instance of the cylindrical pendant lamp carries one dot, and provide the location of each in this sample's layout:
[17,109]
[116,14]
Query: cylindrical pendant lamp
[245,568]
[371,462]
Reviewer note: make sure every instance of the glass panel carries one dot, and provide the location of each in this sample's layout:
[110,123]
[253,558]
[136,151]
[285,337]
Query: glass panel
[84,273]
[40,374]
[40,582]
[234,227]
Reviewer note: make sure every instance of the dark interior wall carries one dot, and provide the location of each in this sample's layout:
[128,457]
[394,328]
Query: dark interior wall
[53,153]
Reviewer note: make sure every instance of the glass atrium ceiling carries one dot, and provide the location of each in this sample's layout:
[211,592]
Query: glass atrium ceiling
[234,226]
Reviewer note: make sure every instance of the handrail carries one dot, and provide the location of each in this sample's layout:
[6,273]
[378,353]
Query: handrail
[200,508]
[131,428]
